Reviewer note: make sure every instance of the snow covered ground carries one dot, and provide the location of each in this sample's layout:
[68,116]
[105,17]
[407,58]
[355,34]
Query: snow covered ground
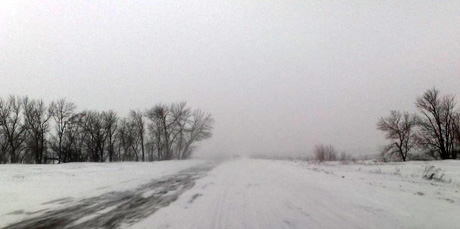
[281,194]
[28,190]
[243,193]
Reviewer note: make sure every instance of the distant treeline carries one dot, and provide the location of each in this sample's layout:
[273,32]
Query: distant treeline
[432,133]
[32,131]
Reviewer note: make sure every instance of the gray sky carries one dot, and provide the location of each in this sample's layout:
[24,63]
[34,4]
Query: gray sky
[278,76]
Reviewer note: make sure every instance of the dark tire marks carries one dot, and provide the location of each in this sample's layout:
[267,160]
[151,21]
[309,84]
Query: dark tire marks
[114,209]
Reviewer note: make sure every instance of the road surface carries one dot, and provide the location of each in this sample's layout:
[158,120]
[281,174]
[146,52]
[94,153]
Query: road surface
[117,209]
[277,194]
[246,193]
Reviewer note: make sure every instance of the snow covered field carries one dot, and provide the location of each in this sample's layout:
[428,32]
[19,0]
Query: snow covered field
[28,190]
[248,193]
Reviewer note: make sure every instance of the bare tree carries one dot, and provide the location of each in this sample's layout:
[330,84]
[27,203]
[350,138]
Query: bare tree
[199,128]
[160,129]
[436,124]
[95,135]
[175,128]
[73,140]
[325,153]
[36,117]
[63,114]
[13,129]
[110,126]
[345,157]
[3,148]
[127,141]
[150,149]
[456,131]
[138,122]
[182,115]
[399,128]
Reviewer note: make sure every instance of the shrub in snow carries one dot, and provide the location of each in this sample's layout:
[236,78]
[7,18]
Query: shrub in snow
[325,153]
[432,173]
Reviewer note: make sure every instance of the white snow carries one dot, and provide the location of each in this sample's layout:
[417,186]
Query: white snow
[25,189]
[284,194]
[250,193]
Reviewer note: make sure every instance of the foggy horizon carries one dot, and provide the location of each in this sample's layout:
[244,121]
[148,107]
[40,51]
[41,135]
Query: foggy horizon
[278,77]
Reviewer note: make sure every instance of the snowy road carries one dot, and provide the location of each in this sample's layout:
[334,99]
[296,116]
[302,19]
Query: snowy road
[247,193]
[275,194]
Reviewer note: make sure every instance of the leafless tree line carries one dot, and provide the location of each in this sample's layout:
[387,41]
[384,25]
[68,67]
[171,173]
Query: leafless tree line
[329,153]
[435,130]
[325,153]
[33,132]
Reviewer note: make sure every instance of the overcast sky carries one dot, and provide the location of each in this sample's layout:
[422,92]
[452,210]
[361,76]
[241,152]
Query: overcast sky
[278,75]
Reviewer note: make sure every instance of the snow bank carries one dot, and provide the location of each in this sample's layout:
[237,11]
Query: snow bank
[449,169]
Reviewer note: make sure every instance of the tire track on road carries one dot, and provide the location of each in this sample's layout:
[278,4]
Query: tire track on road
[114,209]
